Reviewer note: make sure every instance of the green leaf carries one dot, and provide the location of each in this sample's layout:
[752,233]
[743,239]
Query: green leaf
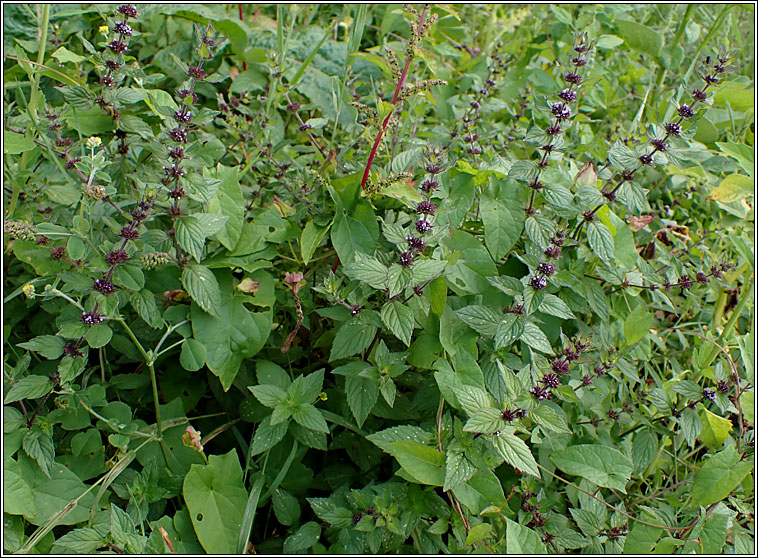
[601,241]
[64,55]
[308,416]
[719,475]
[733,188]
[367,269]
[129,276]
[510,328]
[229,202]
[362,394]
[503,220]
[310,238]
[515,452]
[144,303]
[521,541]
[235,335]
[98,336]
[424,464]
[715,429]
[216,497]
[482,319]
[13,143]
[267,436]
[554,306]
[536,339]
[48,346]
[269,395]
[608,41]
[350,236]
[286,507]
[17,495]
[477,533]
[640,38]
[202,286]
[599,464]
[551,419]
[354,336]
[642,538]
[193,354]
[426,270]
[637,324]
[472,399]
[29,387]
[458,469]
[485,420]
[305,388]
[190,236]
[306,536]
[84,540]
[399,320]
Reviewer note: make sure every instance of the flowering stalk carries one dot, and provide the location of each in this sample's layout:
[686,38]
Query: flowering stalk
[660,145]
[419,29]
[118,47]
[561,112]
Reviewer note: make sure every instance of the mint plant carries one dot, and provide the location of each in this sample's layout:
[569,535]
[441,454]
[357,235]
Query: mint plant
[379,279]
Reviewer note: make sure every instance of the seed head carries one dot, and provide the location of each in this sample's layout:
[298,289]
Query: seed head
[91,318]
[426,208]
[560,366]
[406,258]
[103,286]
[685,111]
[567,95]
[116,257]
[538,282]
[546,269]
[551,380]
[423,226]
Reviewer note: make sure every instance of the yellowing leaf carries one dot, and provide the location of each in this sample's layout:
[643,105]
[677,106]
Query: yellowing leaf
[715,429]
[734,187]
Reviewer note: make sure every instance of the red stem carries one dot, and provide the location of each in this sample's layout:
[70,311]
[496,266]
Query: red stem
[239,7]
[378,139]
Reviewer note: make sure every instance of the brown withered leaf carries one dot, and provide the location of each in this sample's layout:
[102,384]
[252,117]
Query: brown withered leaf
[639,223]
[247,285]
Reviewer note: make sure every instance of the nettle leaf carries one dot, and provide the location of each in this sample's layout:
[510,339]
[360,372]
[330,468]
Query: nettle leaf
[482,319]
[515,452]
[472,399]
[268,435]
[424,464]
[426,270]
[554,306]
[190,235]
[599,464]
[399,320]
[520,540]
[484,421]
[384,438]
[369,270]
[510,328]
[601,241]
[201,284]
[308,416]
[362,394]
[48,346]
[353,337]
[503,218]
[535,338]
[268,394]
[29,387]
[458,469]
[550,418]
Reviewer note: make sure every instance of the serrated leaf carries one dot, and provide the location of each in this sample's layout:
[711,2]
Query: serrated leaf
[201,284]
[637,324]
[425,464]
[308,416]
[599,464]
[554,306]
[458,469]
[510,328]
[535,338]
[362,394]
[515,452]
[426,270]
[29,387]
[601,241]
[354,336]
[190,236]
[482,319]
[268,435]
[369,270]
[48,346]
[484,421]
[550,419]
[399,320]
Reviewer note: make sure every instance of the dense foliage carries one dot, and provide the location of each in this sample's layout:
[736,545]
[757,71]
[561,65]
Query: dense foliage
[379,279]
